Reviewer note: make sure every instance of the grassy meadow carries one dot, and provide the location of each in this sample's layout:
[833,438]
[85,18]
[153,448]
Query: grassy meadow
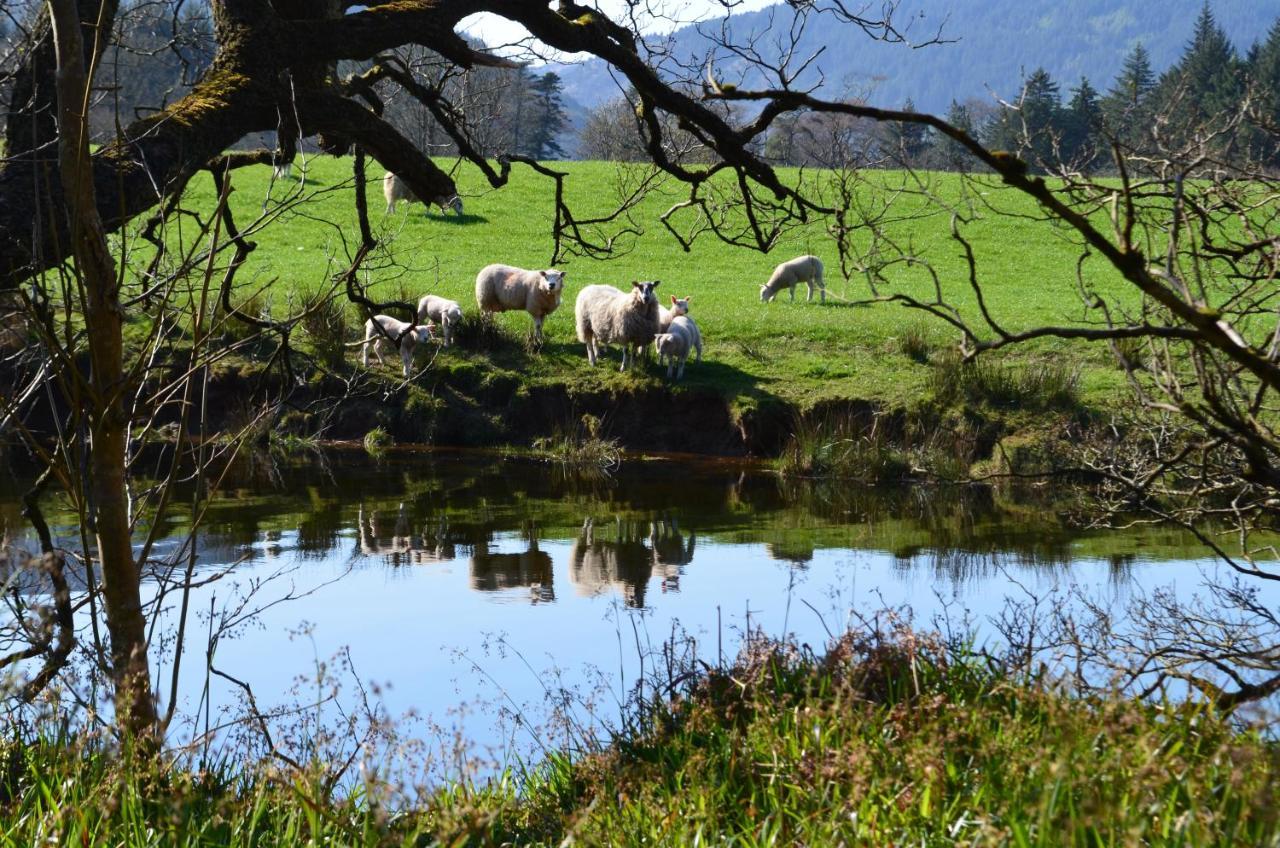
[798,352]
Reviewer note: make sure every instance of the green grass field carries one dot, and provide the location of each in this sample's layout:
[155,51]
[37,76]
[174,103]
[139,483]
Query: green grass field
[801,353]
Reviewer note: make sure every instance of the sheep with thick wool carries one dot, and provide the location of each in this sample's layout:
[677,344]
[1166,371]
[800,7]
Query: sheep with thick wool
[438,310]
[500,288]
[674,345]
[395,189]
[605,315]
[802,269]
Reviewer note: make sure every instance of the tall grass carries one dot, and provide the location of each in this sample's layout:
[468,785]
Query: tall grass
[1045,385]
[888,737]
[878,450]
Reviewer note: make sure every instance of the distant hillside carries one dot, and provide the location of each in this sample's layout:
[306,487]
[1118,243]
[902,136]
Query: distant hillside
[995,42]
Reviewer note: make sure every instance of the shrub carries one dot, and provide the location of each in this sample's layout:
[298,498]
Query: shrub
[915,342]
[1044,385]
[376,442]
[324,321]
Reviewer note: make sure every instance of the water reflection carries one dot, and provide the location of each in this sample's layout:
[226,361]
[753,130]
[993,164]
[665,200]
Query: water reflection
[636,534]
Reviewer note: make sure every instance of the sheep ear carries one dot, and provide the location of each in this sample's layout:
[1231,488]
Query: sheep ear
[673,300]
[688,298]
[635,284]
[544,274]
[657,283]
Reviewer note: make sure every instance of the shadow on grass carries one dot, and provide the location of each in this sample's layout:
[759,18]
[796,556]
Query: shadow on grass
[456,220]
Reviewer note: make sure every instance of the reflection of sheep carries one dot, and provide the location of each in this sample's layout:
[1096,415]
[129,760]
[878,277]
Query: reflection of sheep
[802,269]
[500,288]
[495,572]
[395,189]
[596,565]
[446,313]
[395,550]
[670,554]
[674,345]
[605,315]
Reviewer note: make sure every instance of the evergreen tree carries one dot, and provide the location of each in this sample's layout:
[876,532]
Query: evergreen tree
[545,118]
[1033,129]
[1264,79]
[1207,81]
[1082,125]
[951,155]
[908,141]
[1127,109]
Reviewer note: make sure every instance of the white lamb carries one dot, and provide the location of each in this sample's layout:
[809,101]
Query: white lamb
[383,329]
[802,269]
[447,313]
[395,189]
[675,344]
[500,288]
[605,315]
[679,306]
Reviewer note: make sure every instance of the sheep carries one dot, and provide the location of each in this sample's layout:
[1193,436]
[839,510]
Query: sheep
[446,313]
[383,329]
[679,306]
[802,269]
[674,344]
[395,189]
[605,315]
[502,287]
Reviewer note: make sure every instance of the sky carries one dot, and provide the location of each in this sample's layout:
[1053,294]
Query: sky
[669,14]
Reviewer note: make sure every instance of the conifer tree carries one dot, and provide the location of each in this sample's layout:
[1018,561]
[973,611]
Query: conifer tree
[548,117]
[1082,122]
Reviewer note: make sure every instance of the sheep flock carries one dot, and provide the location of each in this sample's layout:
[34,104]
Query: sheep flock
[631,318]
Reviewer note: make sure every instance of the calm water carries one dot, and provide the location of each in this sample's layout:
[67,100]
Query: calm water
[464,587]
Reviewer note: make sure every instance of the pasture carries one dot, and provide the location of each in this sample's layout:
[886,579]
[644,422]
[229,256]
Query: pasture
[799,352]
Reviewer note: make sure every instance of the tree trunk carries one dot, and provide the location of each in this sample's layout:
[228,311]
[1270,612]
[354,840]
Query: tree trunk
[135,709]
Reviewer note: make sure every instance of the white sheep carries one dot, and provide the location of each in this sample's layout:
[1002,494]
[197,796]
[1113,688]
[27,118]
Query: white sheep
[383,329]
[605,315]
[802,269]
[675,344]
[395,189]
[679,306]
[446,313]
[500,288]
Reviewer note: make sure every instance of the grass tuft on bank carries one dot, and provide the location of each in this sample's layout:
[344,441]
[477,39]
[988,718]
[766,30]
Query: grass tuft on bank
[884,738]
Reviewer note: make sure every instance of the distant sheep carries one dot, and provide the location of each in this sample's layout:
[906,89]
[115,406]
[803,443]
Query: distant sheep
[675,344]
[395,189]
[802,269]
[438,310]
[500,288]
[383,329]
[605,315]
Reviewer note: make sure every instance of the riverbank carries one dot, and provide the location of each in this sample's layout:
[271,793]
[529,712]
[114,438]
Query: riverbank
[885,738]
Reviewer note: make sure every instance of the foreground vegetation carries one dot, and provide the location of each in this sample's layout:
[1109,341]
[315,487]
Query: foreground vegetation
[893,739]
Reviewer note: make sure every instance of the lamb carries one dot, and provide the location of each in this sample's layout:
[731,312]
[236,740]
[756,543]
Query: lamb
[383,329]
[395,189]
[501,287]
[802,269]
[446,313]
[605,315]
[674,345]
[679,306]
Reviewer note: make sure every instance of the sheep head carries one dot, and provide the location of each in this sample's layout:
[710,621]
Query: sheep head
[680,305]
[665,344]
[766,293]
[643,292]
[552,280]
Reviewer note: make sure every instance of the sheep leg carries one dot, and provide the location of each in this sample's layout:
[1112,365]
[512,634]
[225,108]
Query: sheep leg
[626,348]
[591,349]
[699,348]
[680,373]
[822,287]
[793,292]
[406,356]
[537,328]
[671,365]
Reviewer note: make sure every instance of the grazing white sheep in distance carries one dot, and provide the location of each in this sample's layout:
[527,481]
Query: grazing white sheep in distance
[383,329]
[500,288]
[447,313]
[395,189]
[802,269]
[605,315]
[675,344]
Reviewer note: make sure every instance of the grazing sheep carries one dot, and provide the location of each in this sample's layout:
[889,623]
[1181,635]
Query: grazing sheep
[605,315]
[679,306]
[383,329]
[674,345]
[802,269]
[446,313]
[395,189]
[500,288]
